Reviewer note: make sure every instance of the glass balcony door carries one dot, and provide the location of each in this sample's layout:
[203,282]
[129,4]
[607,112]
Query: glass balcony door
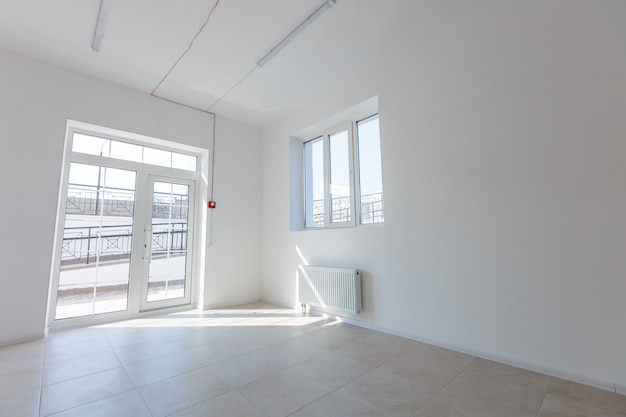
[97,235]
[111,214]
[124,231]
[168,243]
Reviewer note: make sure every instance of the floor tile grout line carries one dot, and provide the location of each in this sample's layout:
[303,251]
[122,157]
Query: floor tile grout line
[270,374]
[475,358]
[168,377]
[358,400]
[138,388]
[301,337]
[82,376]
[43,359]
[220,340]
[69,346]
[236,388]
[126,372]
[169,338]
[212,398]
[183,350]
[214,342]
[89,402]
[79,376]
[190,406]
[270,326]
[282,370]
[143,400]
[231,389]
[342,385]
[293,365]
[313,401]
[244,353]
[545,394]
[353,379]
[58,334]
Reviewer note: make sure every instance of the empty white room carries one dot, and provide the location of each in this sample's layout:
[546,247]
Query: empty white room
[409,208]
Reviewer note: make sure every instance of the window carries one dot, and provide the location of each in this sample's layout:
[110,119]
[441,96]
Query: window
[330,185]
[108,148]
[370,171]
[314,182]
[340,179]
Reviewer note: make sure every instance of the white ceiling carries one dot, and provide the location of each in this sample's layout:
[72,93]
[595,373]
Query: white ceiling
[144,38]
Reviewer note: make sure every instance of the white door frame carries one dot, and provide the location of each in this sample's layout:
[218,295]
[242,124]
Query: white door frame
[198,216]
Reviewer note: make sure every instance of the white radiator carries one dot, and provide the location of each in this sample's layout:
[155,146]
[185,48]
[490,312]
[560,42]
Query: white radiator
[330,288]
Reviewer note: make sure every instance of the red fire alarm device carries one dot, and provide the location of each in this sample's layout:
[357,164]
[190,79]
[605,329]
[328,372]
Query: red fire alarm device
[212,204]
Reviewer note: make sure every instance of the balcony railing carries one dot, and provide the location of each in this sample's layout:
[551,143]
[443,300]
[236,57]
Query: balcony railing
[83,244]
[372,210]
[95,201]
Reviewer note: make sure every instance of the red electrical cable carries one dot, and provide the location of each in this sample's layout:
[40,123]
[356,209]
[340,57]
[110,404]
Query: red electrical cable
[213,157]
[188,47]
[153,93]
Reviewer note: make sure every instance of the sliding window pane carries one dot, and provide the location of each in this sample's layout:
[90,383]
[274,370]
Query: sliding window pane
[370,171]
[314,183]
[339,158]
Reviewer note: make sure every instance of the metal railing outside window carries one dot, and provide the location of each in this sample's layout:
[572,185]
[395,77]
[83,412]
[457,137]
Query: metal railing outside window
[372,210]
[82,245]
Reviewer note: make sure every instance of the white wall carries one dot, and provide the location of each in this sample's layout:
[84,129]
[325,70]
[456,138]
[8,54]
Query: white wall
[36,99]
[234,260]
[504,169]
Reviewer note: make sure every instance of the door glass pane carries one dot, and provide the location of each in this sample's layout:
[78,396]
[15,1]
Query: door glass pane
[97,234]
[168,264]
[339,157]
[314,183]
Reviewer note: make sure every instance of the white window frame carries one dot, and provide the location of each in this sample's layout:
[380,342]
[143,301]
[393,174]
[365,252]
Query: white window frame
[352,180]
[297,165]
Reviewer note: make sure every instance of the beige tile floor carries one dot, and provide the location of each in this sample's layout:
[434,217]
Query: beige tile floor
[259,360]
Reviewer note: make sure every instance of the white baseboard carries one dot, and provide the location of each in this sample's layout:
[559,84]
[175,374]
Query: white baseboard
[229,304]
[278,304]
[25,339]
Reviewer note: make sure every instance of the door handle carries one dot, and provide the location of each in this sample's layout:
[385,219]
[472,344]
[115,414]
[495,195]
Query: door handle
[147,244]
